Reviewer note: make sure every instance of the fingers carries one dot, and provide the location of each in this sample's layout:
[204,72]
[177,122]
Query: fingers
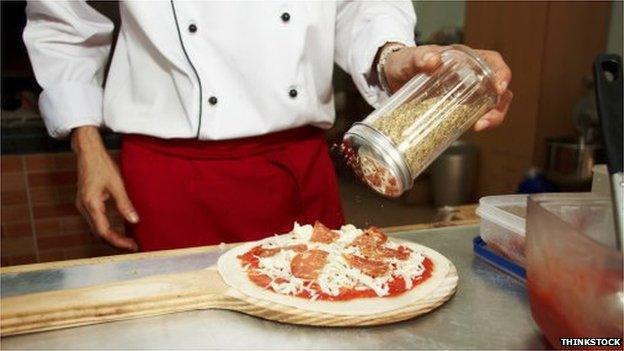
[502,72]
[426,57]
[124,205]
[103,229]
[407,62]
[85,215]
[497,115]
[422,58]
[94,210]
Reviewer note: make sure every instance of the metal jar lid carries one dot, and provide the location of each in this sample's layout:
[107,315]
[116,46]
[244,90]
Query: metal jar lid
[376,160]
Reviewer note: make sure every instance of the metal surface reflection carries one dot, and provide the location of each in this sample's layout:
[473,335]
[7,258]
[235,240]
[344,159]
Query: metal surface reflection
[489,311]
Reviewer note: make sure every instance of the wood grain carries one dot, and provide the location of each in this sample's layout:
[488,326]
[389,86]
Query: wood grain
[174,293]
[549,46]
[576,33]
[291,315]
[515,29]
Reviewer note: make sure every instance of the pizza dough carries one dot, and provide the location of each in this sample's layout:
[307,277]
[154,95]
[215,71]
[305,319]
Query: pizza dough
[236,277]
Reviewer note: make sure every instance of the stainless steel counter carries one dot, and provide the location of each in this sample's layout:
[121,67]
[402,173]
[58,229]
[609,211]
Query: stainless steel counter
[489,311]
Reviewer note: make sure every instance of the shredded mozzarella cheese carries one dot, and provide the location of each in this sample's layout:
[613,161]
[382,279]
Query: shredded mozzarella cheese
[410,268]
[336,274]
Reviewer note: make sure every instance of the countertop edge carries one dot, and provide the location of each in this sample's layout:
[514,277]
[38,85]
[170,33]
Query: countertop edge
[210,248]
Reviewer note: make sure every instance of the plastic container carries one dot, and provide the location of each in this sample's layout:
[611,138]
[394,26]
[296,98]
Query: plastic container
[395,143]
[575,282]
[503,225]
[482,250]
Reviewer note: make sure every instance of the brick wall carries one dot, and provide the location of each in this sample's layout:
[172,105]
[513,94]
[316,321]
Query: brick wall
[38,219]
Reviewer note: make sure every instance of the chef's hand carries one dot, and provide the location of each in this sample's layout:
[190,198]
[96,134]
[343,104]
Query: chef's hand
[99,180]
[405,63]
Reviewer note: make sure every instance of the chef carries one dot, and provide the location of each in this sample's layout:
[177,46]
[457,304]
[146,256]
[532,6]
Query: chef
[222,107]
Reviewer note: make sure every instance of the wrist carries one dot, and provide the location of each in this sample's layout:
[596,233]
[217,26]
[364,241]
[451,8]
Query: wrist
[384,54]
[86,139]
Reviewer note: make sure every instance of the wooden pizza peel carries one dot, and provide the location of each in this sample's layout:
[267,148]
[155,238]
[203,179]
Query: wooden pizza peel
[162,294]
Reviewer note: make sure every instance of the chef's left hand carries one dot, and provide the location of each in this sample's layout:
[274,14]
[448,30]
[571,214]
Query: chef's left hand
[405,63]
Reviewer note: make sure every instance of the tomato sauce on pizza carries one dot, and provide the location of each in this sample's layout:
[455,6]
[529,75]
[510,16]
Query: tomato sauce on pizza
[317,263]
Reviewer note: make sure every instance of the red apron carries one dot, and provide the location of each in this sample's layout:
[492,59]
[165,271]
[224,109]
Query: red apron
[189,192]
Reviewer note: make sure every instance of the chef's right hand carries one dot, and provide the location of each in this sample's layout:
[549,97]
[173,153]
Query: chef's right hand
[99,180]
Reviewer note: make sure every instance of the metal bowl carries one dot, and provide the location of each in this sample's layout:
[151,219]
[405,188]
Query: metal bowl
[570,161]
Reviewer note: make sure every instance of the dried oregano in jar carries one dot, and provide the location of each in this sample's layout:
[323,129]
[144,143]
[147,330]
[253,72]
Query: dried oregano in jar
[393,145]
[417,148]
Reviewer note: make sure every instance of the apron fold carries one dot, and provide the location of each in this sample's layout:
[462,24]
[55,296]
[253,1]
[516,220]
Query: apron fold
[193,193]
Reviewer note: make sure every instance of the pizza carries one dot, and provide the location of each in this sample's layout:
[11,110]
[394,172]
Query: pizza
[347,271]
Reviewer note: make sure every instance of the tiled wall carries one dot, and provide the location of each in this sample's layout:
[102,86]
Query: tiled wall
[39,220]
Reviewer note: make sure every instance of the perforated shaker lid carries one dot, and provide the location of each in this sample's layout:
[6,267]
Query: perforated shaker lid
[375,159]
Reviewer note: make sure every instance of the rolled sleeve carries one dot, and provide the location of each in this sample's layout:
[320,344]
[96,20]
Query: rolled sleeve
[364,27]
[68,43]
[70,105]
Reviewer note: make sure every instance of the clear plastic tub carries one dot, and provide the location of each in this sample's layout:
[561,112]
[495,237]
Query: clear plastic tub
[575,282]
[395,143]
[503,224]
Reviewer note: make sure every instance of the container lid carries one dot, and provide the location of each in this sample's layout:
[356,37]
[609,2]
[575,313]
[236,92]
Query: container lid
[498,210]
[375,159]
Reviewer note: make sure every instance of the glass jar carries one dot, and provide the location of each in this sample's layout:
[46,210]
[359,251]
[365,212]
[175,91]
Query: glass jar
[396,142]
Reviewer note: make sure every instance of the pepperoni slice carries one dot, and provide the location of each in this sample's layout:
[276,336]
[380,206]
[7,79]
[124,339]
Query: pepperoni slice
[251,257]
[322,234]
[308,264]
[258,251]
[369,267]
[268,252]
[401,253]
[261,280]
[370,242]
[371,237]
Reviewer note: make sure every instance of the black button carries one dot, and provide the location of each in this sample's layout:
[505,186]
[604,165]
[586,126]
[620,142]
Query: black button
[213,100]
[285,16]
[293,93]
[192,28]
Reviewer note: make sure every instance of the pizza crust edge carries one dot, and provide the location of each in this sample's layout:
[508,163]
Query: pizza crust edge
[235,277]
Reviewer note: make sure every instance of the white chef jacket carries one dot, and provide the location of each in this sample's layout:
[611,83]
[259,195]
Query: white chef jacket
[207,70]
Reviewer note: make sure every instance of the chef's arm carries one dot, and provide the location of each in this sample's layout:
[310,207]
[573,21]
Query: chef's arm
[69,43]
[371,32]
[362,29]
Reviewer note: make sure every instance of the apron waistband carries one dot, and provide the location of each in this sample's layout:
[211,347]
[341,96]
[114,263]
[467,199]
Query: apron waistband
[218,149]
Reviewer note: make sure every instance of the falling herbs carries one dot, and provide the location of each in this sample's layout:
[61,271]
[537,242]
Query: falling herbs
[422,129]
